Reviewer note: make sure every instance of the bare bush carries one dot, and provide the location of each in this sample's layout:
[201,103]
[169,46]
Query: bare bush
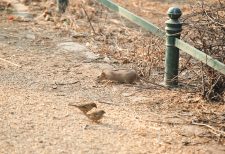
[206,31]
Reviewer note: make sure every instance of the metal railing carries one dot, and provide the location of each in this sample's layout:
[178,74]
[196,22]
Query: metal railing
[173,42]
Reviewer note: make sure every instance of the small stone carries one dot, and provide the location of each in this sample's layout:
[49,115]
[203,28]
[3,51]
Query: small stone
[30,36]
[85,127]
[54,87]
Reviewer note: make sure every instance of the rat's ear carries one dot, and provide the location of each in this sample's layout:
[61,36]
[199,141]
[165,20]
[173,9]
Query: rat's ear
[103,74]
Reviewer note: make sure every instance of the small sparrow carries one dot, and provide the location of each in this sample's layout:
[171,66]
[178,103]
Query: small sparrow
[85,107]
[96,116]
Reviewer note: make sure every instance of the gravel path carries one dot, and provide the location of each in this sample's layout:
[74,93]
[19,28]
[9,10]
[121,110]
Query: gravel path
[56,71]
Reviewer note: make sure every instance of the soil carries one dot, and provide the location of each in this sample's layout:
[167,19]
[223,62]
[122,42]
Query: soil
[45,65]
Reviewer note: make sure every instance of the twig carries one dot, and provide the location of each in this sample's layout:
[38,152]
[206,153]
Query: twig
[210,127]
[213,19]
[155,84]
[212,86]
[185,65]
[62,84]
[10,62]
[167,122]
[89,20]
[107,103]
[203,81]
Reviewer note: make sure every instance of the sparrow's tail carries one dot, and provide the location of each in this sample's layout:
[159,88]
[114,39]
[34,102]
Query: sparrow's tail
[72,105]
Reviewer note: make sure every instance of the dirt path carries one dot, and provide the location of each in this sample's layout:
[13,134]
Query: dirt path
[56,71]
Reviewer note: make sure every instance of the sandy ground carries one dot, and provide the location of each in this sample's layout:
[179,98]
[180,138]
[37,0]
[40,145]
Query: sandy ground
[48,71]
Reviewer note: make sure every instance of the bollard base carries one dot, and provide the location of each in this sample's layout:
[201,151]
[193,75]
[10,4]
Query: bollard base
[170,86]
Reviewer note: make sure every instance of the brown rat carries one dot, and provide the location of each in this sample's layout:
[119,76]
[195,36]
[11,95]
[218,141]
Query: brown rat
[124,76]
[121,76]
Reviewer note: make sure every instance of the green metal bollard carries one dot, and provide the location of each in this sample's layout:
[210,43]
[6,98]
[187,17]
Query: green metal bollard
[173,29]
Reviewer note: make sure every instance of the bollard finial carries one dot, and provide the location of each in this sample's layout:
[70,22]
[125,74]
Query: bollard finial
[174,13]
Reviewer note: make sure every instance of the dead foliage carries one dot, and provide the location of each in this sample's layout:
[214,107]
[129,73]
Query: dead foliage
[121,39]
[144,52]
[206,31]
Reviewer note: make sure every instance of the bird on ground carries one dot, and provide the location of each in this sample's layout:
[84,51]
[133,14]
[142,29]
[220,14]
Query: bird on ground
[96,116]
[85,107]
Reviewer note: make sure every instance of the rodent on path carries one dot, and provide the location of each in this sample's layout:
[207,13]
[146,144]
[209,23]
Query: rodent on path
[121,76]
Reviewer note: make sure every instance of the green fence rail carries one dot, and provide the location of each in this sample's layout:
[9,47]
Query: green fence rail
[173,42]
[201,56]
[133,18]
